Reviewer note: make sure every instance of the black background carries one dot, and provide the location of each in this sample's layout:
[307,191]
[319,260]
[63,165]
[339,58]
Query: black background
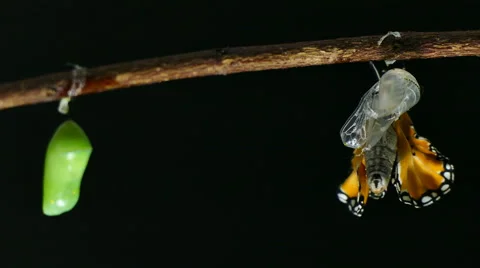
[228,171]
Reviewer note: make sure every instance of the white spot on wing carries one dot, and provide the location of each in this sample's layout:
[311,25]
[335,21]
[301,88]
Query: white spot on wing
[342,197]
[426,199]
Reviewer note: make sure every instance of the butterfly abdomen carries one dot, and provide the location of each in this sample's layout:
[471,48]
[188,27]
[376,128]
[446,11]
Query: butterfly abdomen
[380,160]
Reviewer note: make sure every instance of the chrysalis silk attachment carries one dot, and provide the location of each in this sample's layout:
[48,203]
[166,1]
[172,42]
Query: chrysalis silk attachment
[395,93]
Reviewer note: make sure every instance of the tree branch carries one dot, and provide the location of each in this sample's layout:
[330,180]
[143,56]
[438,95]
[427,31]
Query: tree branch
[412,45]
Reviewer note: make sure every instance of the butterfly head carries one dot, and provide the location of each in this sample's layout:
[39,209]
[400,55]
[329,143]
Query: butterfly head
[378,185]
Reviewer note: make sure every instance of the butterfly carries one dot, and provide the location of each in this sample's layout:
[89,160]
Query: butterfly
[396,154]
[421,174]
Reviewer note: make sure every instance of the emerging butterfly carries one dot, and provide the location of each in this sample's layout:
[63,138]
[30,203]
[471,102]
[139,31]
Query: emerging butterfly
[387,148]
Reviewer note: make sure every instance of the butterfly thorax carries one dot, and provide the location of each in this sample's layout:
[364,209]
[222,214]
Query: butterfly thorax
[379,163]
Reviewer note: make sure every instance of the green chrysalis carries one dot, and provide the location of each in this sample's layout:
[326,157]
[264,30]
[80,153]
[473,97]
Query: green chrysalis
[66,159]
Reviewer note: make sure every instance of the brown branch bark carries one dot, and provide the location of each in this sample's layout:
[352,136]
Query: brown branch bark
[412,45]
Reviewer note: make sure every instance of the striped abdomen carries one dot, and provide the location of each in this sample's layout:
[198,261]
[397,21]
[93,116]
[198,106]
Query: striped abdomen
[379,163]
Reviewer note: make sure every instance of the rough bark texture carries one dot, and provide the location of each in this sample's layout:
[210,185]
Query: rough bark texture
[412,45]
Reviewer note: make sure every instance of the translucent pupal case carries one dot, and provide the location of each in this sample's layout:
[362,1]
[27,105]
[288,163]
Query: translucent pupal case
[395,93]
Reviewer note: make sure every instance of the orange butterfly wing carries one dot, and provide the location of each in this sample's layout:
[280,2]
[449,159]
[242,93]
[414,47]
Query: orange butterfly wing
[354,190]
[423,175]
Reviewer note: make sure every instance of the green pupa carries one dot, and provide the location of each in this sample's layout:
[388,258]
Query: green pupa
[66,159]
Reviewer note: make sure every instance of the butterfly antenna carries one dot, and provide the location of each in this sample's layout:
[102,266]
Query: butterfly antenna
[374,69]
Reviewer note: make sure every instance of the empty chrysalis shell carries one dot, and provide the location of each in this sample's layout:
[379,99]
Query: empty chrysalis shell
[395,93]
[66,159]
